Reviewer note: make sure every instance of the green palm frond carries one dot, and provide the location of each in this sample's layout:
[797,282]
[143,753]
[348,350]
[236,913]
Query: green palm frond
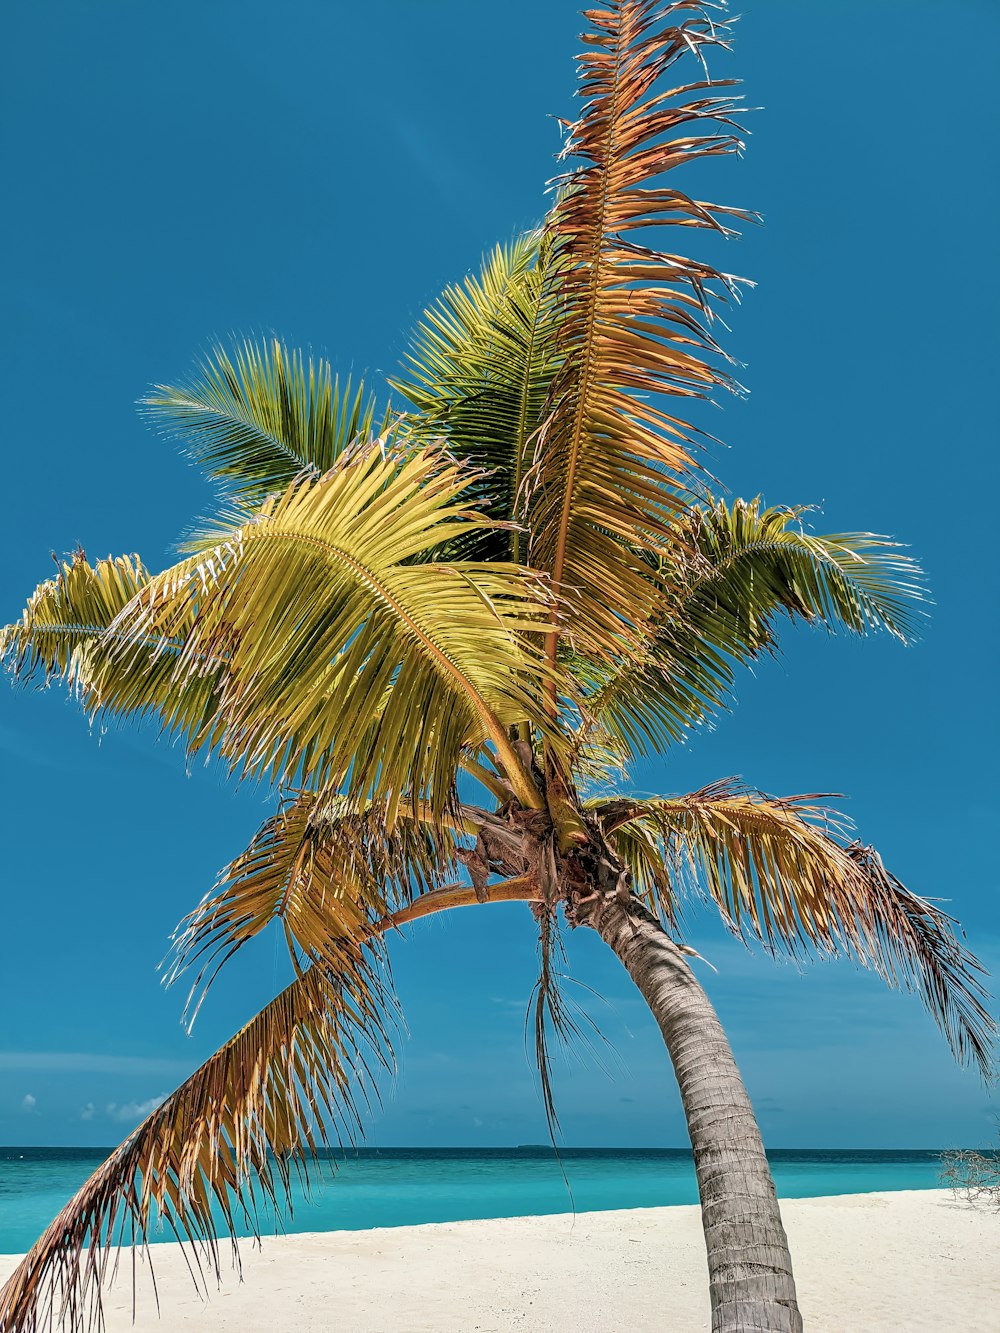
[609,473]
[256,418]
[225,1141]
[479,372]
[748,562]
[325,871]
[784,871]
[737,569]
[338,658]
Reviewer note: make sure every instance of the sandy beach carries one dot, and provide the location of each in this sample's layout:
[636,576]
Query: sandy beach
[865,1263]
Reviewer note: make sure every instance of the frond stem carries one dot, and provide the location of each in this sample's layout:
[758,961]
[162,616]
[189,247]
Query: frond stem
[522,889]
[522,423]
[493,784]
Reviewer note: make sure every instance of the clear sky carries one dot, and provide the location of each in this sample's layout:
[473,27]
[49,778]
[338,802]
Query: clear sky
[175,173]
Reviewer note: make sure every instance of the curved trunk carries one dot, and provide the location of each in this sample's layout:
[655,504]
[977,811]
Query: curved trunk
[749,1265]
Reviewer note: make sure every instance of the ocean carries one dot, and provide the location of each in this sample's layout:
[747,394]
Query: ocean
[401,1186]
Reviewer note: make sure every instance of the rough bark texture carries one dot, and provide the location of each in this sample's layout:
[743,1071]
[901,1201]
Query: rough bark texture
[748,1261]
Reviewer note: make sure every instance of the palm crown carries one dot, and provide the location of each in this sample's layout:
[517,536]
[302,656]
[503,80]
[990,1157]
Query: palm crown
[512,579]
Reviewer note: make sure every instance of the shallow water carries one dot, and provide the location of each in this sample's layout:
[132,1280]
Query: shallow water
[402,1186]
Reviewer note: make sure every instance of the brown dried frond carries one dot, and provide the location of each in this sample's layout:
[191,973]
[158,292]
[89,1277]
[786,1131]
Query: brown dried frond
[610,464]
[784,871]
[325,870]
[912,940]
[228,1138]
[550,1009]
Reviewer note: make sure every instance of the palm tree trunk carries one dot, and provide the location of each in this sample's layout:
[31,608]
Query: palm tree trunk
[749,1265]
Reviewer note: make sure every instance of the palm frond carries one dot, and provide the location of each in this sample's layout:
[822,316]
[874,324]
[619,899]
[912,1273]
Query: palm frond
[256,418]
[784,870]
[551,1013]
[339,659]
[216,527]
[559,1020]
[756,561]
[325,871]
[65,615]
[227,1140]
[67,631]
[609,471]
[479,372]
[734,571]
[652,871]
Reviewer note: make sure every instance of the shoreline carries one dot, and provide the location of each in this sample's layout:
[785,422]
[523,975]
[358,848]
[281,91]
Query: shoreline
[882,1261]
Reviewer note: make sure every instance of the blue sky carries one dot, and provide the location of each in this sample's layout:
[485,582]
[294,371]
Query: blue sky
[322,170]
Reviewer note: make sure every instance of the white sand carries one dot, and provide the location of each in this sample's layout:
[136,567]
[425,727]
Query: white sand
[865,1263]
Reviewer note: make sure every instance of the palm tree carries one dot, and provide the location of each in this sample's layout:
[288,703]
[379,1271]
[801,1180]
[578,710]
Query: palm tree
[439,632]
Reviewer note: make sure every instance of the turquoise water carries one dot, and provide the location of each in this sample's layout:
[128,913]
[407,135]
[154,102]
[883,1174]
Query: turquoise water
[401,1186]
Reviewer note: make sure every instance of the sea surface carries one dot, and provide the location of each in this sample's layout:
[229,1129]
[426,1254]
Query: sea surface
[401,1186]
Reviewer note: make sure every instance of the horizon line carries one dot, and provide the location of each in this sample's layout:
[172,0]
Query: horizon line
[347,1151]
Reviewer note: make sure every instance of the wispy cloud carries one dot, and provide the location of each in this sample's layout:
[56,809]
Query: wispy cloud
[87,1112]
[133,1112]
[89,1062]
[28,1104]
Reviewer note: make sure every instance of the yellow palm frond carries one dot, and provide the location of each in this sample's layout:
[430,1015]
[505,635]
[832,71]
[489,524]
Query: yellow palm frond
[324,651]
[610,465]
[66,614]
[67,631]
[784,870]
